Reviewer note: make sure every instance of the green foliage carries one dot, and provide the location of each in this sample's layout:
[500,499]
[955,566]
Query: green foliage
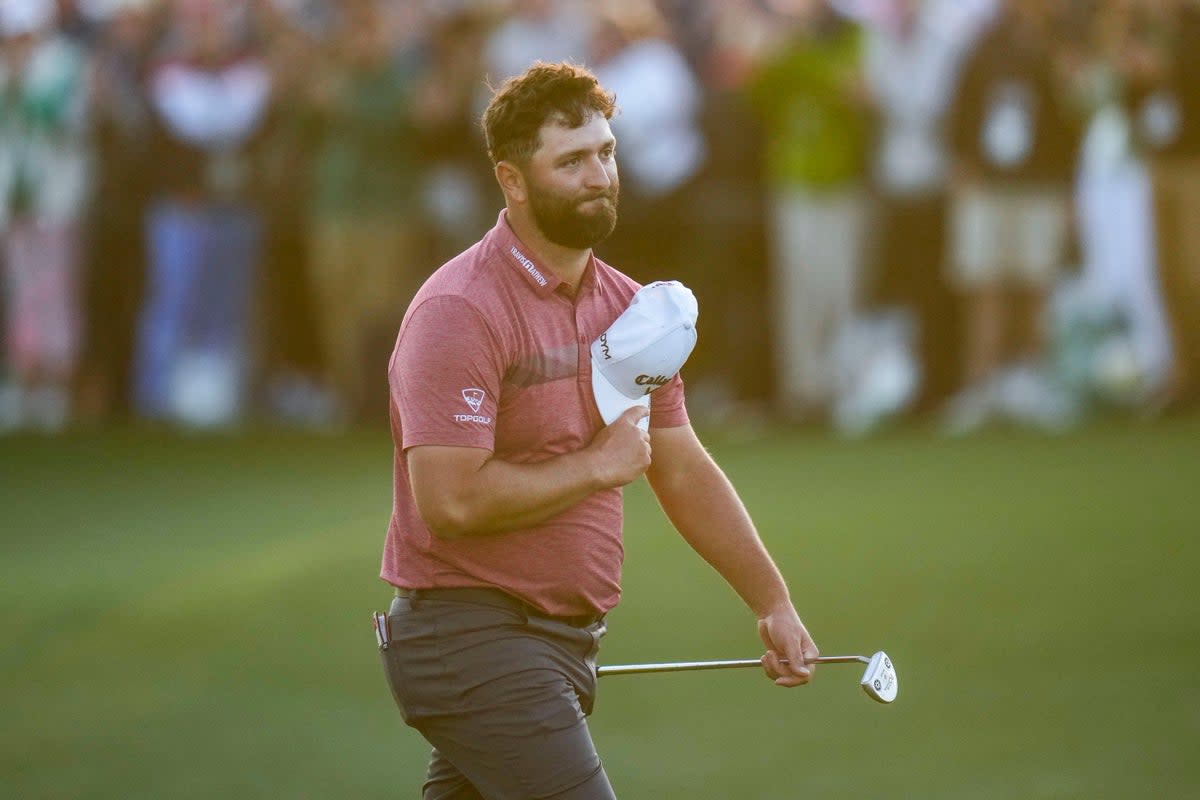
[189,618]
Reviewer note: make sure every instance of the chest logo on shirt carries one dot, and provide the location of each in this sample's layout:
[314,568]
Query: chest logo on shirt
[474,398]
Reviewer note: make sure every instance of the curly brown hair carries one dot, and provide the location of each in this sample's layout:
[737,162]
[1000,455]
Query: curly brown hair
[524,103]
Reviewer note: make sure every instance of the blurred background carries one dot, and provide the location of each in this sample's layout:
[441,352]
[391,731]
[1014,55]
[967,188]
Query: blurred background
[213,212]
[947,255]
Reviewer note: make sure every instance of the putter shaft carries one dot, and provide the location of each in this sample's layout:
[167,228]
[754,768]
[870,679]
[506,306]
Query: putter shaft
[687,666]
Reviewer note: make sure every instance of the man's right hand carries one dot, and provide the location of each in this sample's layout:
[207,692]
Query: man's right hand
[622,449]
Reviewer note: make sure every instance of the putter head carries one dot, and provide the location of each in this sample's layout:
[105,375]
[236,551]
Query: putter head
[879,679]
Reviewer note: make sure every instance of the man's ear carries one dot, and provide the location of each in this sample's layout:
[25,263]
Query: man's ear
[512,181]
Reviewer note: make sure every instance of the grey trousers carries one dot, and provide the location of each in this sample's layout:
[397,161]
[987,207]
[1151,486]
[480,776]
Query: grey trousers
[502,695]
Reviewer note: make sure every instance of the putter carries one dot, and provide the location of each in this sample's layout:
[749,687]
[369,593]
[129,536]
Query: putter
[878,680]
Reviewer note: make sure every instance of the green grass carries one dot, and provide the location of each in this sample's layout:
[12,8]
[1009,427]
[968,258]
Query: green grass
[188,618]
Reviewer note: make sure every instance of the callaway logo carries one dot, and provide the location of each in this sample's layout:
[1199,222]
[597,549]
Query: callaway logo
[604,346]
[652,382]
[528,265]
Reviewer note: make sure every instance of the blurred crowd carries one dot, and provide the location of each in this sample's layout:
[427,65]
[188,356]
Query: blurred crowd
[980,210]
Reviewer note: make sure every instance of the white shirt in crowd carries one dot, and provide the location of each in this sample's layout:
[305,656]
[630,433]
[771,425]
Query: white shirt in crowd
[661,145]
[913,78]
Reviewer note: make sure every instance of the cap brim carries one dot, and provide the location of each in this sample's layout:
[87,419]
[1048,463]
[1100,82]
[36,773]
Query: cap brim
[612,403]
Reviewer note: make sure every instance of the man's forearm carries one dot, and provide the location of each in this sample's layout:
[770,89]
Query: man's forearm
[706,510]
[466,491]
[503,496]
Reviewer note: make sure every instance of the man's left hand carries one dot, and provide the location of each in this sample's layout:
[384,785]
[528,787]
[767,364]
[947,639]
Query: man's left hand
[786,638]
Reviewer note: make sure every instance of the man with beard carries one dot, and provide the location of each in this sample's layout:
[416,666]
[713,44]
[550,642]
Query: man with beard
[504,545]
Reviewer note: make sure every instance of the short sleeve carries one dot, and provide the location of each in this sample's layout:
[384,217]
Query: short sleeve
[445,376]
[667,406]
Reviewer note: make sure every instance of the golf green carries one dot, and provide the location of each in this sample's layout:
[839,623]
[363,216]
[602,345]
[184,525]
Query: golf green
[188,617]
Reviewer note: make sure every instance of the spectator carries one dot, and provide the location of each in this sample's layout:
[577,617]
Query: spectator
[912,63]
[659,123]
[699,29]
[660,101]
[292,364]
[537,30]
[447,110]
[209,92]
[1113,193]
[44,180]
[83,21]
[809,92]
[731,378]
[122,129]
[364,202]
[663,155]
[1013,151]
[1170,117]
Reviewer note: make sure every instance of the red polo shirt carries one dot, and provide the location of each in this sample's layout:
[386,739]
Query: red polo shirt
[493,353]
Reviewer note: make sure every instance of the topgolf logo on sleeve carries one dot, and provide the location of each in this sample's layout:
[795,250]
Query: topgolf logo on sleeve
[474,398]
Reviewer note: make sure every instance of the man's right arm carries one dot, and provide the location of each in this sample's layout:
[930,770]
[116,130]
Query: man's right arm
[465,491]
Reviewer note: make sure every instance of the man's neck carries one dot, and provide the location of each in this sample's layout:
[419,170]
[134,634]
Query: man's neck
[568,264]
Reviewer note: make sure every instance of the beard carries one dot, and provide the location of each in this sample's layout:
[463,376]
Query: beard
[562,222]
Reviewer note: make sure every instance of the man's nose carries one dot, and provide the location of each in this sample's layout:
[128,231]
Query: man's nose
[597,174]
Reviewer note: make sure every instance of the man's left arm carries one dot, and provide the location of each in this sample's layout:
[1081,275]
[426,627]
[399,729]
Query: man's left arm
[705,508]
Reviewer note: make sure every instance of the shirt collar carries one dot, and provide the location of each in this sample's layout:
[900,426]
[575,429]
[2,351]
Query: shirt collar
[540,279]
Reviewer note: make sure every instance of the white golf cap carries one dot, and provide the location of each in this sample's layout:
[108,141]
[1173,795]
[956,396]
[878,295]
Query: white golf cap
[644,348]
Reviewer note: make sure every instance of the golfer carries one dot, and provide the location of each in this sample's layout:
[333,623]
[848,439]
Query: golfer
[530,382]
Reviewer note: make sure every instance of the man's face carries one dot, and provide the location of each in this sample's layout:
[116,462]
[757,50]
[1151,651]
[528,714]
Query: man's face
[572,183]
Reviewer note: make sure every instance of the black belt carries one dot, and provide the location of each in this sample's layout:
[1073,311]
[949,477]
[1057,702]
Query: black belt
[487,596]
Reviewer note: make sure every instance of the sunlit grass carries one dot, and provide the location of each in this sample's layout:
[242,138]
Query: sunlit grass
[187,617]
